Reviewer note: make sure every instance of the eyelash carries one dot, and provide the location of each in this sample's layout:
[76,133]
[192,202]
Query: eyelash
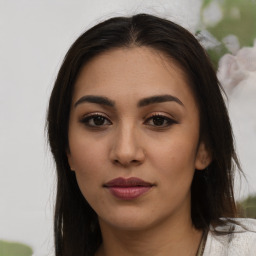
[168,121]
[86,120]
[91,117]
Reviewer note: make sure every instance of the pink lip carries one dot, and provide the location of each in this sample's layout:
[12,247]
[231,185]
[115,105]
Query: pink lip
[128,189]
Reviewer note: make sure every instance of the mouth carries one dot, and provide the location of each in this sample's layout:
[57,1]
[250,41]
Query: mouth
[128,189]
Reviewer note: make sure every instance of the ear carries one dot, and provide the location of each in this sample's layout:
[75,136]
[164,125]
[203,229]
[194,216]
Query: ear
[203,157]
[70,160]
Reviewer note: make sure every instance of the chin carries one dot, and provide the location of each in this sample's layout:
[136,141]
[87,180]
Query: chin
[131,220]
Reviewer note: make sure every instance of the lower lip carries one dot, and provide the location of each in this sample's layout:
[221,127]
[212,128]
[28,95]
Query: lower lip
[128,193]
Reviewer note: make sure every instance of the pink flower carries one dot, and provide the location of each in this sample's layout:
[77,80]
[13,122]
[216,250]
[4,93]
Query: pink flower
[233,69]
[237,74]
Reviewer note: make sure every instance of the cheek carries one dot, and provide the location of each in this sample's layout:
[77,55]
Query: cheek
[175,153]
[86,152]
[89,172]
[174,160]
[88,158]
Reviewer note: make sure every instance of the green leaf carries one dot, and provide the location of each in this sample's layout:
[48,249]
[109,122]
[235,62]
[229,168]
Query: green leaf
[244,26]
[14,249]
[248,207]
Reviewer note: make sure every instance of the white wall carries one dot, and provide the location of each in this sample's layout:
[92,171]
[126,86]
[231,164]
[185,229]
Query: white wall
[34,36]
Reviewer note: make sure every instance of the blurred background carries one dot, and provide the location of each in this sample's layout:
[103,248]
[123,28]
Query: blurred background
[35,36]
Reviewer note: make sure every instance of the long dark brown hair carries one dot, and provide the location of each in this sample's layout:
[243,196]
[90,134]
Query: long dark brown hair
[76,226]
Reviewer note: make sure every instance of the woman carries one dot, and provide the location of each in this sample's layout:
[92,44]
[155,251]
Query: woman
[143,146]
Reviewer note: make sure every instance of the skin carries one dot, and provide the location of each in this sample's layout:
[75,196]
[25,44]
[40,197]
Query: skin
[128,142]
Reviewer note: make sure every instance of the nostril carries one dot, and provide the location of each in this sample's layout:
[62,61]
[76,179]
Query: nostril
[126,163]
[116,162]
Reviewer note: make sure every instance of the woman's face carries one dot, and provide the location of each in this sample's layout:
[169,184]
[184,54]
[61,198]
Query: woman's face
[134,138]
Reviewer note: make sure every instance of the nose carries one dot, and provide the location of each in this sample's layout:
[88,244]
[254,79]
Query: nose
[126,147]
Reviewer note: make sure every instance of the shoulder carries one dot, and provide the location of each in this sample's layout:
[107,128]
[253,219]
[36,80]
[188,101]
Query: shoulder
[240,241]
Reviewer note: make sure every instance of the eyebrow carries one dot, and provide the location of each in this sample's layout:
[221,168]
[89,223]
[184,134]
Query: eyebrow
[158,99]
[95,99]
[142,103]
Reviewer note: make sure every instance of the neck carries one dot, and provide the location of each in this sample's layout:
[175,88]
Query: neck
[167,238]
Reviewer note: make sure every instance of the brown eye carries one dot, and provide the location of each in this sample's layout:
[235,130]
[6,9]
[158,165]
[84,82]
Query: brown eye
[96,121]
[160,121]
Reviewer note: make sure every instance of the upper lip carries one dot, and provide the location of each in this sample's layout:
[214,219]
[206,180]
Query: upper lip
[129,182]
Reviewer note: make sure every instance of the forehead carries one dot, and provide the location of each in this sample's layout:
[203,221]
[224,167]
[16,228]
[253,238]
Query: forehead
[134,72]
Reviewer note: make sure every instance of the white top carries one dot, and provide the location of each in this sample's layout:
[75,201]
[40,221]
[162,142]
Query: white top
[241,242]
